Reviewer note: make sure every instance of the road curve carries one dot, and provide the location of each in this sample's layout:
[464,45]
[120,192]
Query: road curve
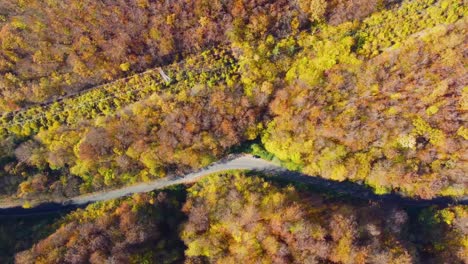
[244,162]
[248,162]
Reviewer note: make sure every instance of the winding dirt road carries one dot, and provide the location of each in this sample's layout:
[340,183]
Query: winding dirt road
[248,162]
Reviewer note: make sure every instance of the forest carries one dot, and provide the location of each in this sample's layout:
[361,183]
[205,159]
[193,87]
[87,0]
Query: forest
[351,98]
[50,48]
[232,217]
[98,95]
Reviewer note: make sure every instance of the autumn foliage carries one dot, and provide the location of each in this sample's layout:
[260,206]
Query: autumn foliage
[57,47]
[373,92]
[394,121]
[233,217]
[134,230]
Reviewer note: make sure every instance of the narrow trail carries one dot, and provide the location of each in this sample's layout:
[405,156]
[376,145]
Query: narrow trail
[244,162]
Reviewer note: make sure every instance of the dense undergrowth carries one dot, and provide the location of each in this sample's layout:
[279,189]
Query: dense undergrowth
[209,67]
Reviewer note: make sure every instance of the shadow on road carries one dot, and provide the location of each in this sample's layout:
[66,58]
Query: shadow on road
[345,189]
[42,209]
